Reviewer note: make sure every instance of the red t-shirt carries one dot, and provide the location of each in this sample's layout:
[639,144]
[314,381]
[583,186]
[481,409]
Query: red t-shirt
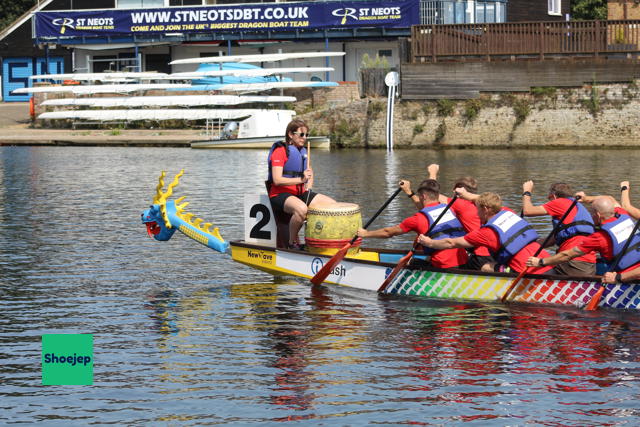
[445,258]
[467,212]
[556,209]
[488,238]
[600,242]
[279,158]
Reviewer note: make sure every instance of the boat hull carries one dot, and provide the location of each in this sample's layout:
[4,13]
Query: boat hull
[370,270]
[256,142]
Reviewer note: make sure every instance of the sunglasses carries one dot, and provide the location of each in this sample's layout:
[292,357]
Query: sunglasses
[301,134]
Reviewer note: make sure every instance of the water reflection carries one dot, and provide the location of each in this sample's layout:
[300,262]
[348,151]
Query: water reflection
[186,336]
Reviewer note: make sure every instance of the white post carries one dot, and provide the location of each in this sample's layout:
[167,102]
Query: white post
[391,80]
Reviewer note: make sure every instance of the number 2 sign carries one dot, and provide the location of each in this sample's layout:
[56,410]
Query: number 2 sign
[259,222]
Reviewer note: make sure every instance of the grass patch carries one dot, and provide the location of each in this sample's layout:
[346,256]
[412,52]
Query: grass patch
[441,132]
[544,92]
[374,108]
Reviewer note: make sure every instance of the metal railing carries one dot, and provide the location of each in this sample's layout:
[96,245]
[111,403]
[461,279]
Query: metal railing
[431,43]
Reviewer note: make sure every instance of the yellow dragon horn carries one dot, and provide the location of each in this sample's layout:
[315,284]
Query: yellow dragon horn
[158,197]
[173,184]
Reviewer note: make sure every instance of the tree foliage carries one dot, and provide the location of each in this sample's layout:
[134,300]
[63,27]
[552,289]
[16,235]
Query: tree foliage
[10,10]
[588,9]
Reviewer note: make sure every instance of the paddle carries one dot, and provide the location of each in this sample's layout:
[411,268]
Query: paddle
[405,259]
[546,241]
[308,187]
[339,256]
[593,304]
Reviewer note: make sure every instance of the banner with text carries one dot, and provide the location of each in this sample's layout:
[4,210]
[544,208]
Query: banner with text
[251,17]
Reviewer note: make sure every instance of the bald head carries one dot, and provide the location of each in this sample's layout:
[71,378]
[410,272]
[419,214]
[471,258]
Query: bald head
[604,206]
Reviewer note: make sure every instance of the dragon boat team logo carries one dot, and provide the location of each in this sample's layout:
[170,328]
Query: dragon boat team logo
[64,23]
[316,265]
[344,13]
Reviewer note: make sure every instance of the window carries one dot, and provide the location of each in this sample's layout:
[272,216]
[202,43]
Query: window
[185,2]
[462,11]
[385,52]
[132,4]
[555,8]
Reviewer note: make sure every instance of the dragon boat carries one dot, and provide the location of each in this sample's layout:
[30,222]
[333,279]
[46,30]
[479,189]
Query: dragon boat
[367,268]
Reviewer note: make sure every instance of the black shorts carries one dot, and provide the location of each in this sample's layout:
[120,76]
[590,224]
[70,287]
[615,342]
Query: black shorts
[277,202]
[476,262]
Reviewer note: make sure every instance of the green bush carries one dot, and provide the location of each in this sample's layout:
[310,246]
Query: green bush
[521,109]
[445,107]
[593,102]
[377,62]
[418,129]
[472,108]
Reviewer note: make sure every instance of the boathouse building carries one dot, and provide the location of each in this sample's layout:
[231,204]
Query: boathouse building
[62,36]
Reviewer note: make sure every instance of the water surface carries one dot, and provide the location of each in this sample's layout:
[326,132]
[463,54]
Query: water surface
[183,335]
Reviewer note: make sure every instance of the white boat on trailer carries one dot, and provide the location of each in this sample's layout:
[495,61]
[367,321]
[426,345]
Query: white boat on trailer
[260,130]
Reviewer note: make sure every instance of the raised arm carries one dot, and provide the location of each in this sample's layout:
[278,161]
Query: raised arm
[432,170]
[625,200]
[406,187]
[528,209]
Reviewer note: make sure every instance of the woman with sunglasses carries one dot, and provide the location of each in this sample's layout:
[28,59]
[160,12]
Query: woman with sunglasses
[291,179]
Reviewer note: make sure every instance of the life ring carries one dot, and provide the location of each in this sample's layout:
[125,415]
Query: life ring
[32,108]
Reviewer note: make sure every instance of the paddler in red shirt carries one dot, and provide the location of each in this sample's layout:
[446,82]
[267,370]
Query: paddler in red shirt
[421,222]
[510,239]
[291,178]
[465,210]
[576,226]
[615,229]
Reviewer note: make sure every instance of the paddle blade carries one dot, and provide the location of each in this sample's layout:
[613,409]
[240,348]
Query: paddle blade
[593,304]
[513,285]
[401,264]
[328,267]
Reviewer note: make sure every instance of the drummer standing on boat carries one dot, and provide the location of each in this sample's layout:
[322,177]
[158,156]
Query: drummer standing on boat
[615,228]
[291,178]
[449,226]
[510,239]
[576,226]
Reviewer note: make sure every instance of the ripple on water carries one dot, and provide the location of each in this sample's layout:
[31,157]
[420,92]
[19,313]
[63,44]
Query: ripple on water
[183,335]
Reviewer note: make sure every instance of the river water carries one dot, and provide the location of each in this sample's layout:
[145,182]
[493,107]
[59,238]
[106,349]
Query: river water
[185,336]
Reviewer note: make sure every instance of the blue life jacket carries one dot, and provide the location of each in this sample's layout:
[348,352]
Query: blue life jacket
[618,232]
[513,232]
[296,162]
[448,226]
[581,225]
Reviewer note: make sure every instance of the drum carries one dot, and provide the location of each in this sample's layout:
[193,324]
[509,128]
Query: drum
[330,227]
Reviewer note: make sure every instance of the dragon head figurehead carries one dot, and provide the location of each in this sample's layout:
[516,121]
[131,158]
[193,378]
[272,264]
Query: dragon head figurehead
[166,216]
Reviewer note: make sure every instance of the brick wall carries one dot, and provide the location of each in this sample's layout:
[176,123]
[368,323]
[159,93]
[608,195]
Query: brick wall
[623,9]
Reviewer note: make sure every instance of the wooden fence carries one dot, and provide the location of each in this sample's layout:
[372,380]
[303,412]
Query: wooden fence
[433,43]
